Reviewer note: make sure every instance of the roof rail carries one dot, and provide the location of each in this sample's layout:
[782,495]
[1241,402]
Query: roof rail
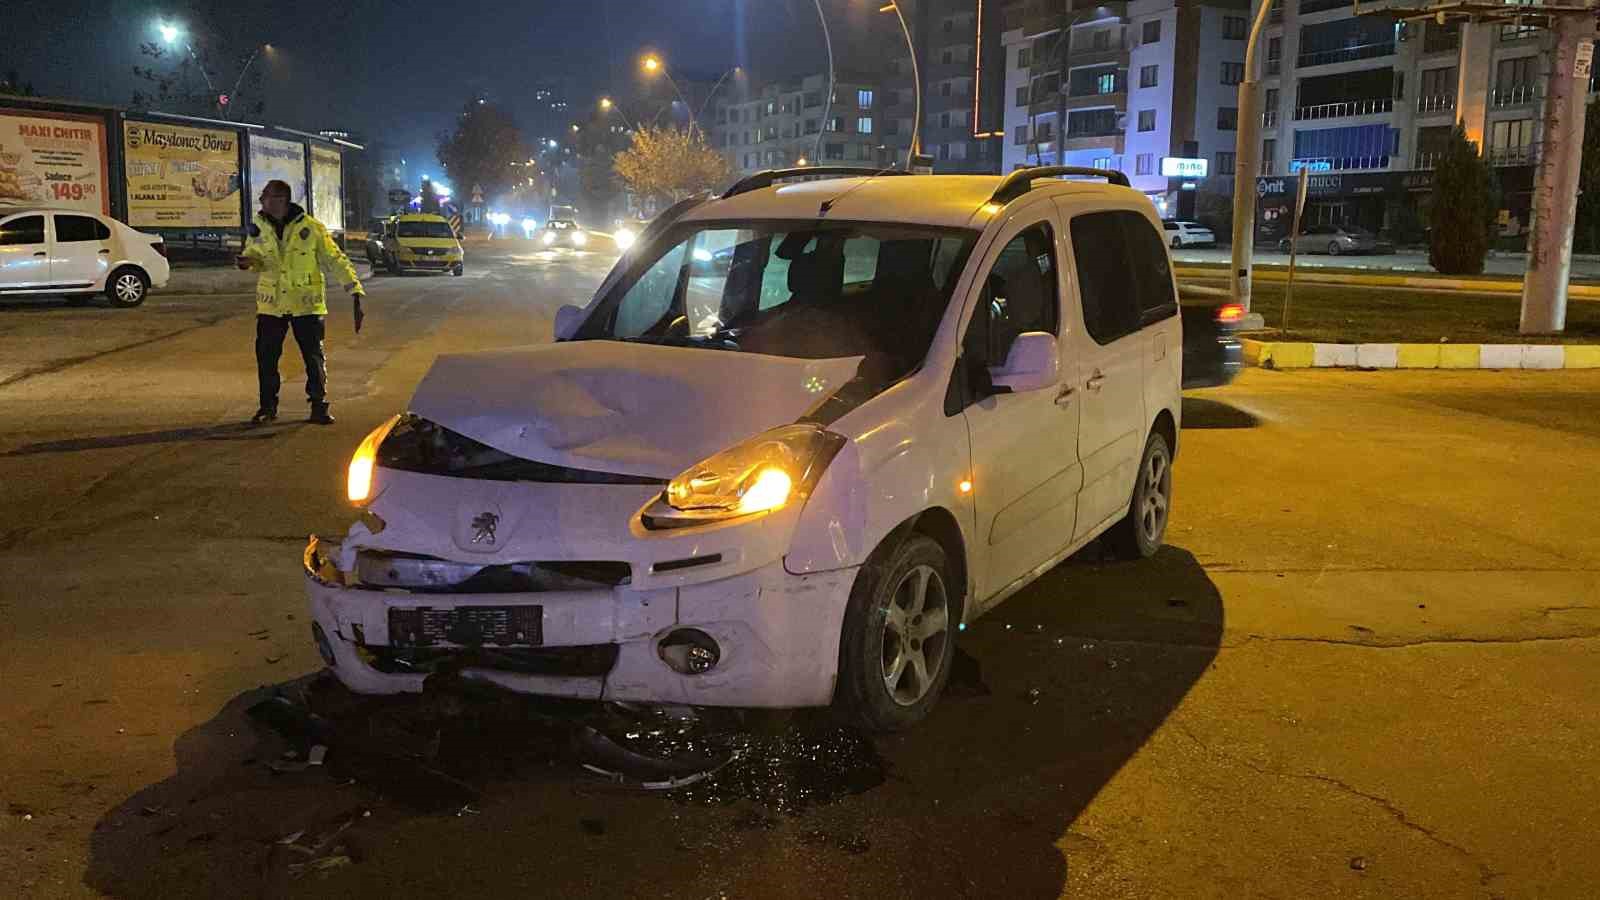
[767,177]
[1021,181]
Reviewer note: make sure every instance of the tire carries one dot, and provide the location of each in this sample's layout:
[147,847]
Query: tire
[1141,532]
[1283,246]
[458,270]
[894,579]
[393,263]
[127,287]
[1177,243]
[1333,248]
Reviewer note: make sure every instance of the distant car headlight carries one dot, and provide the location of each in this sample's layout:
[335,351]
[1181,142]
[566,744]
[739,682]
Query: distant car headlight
[579,238]
[549,238]
[764,474]
[358,481]
[624,238]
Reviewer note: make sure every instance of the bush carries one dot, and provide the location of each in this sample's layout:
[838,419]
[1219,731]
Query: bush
[1462,213]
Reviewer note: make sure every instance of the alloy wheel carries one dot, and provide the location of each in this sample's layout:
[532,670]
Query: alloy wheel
[1156,490]
[915,629]
[129,288]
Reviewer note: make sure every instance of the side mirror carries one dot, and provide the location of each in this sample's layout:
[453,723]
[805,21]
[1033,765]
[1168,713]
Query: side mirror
[1033,363]
[568,318]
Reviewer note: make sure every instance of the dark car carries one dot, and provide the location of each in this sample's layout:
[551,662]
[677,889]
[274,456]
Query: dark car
[1335,240]
[564,233]
[1212,353]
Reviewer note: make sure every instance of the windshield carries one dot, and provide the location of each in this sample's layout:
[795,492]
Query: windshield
[813,291]
[424,230]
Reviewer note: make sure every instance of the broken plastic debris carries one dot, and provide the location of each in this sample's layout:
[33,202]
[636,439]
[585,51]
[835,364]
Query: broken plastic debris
[652,773]
[1359,863]
[318,753]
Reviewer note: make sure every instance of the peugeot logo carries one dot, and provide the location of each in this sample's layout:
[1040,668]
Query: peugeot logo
[483,526]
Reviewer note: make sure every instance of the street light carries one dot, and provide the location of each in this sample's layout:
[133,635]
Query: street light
[916,77]
[653,65]
[605,103]
[169,33]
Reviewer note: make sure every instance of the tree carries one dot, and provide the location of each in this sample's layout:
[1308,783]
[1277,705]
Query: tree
[670,164]
[485,150]
[12,83]
[214,55]
[1586,235]
[1463,209]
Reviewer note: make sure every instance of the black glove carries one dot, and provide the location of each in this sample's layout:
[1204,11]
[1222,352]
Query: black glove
[358,313]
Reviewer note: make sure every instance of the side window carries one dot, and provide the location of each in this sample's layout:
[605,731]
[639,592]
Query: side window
[1149,257]
[72,229]
[1019,294]
[1106,280]
[26,230]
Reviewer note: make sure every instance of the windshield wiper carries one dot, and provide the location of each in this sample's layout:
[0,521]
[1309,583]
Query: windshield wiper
[711,341]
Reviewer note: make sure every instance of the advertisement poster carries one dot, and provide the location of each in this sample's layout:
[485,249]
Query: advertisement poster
[53,158]
[327,187]
[180,177]
[272,159]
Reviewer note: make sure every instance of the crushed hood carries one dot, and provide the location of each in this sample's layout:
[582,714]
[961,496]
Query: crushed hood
[631,409]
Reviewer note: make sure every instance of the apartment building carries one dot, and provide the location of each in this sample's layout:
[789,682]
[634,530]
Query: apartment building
[963,82]
[1066,83]
[1366,104]
[777,125]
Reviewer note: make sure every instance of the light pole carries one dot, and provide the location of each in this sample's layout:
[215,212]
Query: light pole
[916,78]
[1246,165]
[606,106]
[172,34]
[227,111]
[827,101]
[653,65]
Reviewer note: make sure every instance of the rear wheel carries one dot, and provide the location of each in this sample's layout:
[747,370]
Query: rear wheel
[458,270]
[1142,530]
[899,636]
[1333,248]
[127,287]
[393,263]
[1177,242]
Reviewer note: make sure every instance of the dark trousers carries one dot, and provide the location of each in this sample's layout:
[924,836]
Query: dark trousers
[308,333]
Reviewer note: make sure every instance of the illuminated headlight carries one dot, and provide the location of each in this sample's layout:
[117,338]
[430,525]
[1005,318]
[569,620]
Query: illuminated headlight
[358,481]
[763,474]
[549,238]
[624,238]
[579,238]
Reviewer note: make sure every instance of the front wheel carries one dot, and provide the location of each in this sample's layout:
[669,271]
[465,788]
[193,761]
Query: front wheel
[1140,533]
[899,636]
[1333,248]
[1177,243]
[394,264]
[458,270]
[127,287]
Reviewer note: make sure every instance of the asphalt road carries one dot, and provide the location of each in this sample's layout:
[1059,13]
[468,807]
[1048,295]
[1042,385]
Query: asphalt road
[1364,668]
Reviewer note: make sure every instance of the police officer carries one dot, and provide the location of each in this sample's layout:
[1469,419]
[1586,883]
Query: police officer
[292,250]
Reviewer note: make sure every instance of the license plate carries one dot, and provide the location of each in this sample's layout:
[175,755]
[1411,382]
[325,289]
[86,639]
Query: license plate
[467,626]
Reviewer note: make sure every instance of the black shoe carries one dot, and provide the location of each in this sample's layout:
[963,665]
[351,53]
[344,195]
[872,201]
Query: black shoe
[263,415]
[319,414]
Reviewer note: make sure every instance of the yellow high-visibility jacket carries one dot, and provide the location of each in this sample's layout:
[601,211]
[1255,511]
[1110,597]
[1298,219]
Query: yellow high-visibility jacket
[291,282]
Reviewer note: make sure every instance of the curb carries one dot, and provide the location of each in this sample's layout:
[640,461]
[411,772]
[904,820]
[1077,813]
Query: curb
[1298,355]
[1580,291]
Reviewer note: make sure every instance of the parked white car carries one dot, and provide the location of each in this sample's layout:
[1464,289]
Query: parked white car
[784,482]
[1188,234]
[68,251]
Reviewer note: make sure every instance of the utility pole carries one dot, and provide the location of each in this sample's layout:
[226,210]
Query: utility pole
[1555,186]
[1247,165]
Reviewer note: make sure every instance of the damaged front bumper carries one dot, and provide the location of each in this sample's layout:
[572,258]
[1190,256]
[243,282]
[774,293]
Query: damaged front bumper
[773,636]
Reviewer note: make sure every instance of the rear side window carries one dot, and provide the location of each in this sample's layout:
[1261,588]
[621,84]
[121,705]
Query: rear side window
[1123,275]
[70,229]
[26,230]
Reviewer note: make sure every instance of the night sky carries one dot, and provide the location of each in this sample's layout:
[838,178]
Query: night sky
[397,70]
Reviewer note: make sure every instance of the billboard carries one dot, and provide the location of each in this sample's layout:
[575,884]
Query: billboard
[53,158]
[272,159]
[181,177]
[327,187]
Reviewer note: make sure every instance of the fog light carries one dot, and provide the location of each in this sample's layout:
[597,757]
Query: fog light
[689,651]
[324,646]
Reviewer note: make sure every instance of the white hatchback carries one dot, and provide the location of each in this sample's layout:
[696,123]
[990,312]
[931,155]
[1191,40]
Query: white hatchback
[801,436]
[65,251]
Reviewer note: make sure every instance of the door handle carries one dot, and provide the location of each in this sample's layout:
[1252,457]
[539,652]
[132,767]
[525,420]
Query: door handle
[106,252]
[1065,397]
[1095,382]
[41,253]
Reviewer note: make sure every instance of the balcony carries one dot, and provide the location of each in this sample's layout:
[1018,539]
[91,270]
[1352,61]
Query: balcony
[1445,103]
[1338,163]
[1525,155]
[1269,119]
[1343,109]
[1426,160]
[1346,54]
[1515,95]
[1308,7]
[1274,66]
